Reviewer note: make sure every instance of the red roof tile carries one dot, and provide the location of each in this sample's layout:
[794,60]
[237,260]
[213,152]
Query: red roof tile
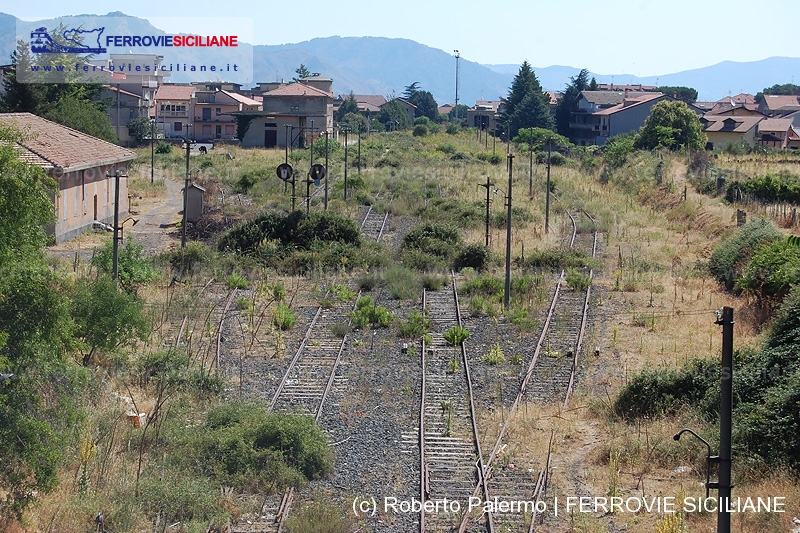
[297,89]
[51,145]
[174,93]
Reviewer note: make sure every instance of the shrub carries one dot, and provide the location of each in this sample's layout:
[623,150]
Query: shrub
[433,282]
[420,130]
[472,256]
[246,182]
[193,255]
[456,335]
[317,518]
[134,269]
[447,148]
[665,390]
[732,254]
[416,326]
[453,129]
[556,159]
[460,156]
[577,280]
[163,147]
[236,281]
[366,312]
[495,355]
[774,268]
[283,317]
[442,241]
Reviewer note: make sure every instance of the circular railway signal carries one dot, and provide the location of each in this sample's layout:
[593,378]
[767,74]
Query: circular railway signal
[317,173]
[285,171]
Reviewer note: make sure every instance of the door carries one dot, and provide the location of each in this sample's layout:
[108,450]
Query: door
[270,138]
[95,207]
[218,132]
[206,113]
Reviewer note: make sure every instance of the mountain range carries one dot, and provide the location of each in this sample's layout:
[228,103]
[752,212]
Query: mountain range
[379,65]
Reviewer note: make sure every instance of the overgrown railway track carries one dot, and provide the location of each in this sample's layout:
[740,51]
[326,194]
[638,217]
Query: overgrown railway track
[450,455]
[309,378]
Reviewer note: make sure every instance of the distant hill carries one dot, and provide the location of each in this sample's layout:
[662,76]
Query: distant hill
[379,65]
[712,83]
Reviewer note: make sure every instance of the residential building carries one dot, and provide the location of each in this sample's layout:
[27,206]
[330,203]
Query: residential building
[212,116]
[368,104]
[603,114]
[774,132]
[174,110]
[290,115]
[484,115]
[727,129]
[83,166]
[125,106]
[410,109]
[778,105]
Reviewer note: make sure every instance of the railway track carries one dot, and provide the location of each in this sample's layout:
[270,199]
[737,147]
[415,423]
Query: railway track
[450,455]
[308,380]
[549,377]
[373,225]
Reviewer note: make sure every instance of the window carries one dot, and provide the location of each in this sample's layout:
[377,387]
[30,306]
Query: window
[178,126]
[219,110]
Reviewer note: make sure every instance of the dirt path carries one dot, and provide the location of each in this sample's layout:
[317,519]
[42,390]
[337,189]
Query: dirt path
[156,229]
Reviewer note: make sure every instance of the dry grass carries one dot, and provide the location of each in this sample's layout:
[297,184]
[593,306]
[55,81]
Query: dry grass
[659,313]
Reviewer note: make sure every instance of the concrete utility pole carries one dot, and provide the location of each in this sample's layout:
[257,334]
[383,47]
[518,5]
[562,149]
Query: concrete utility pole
[185,190]
[115,256]
[547,196]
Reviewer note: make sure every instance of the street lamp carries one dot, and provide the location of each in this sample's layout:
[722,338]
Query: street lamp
[458,56]
[709,458]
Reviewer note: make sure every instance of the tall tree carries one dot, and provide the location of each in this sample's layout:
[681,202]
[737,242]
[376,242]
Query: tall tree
[786,89]
[393,116]
[673,125]
[37,404]
[526,106]
[21,97]
[569,101]
[684,94]
[348,106]
[301,72]
[426,105]
[82,115]
[410,90]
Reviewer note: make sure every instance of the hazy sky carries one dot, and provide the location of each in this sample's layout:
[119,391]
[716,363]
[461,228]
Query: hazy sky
[643,38]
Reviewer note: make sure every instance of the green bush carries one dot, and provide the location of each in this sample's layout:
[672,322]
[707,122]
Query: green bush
[446,148]
[420,130]
[283,317]
[297,229]
[732,254]
[456,335]
[417,325]
[577,280]
[442,241]
[666,390]
[246,182]
[366,312]
[772,271]
[472,256]
[163,147]
[237,281]
[495,355]
[558,258]
[453,129]
[192,256]
[781,187]
[133,268]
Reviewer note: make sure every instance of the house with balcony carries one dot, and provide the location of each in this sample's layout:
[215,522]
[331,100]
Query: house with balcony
[213,108]
[290,116]
[775,132]
[173,110]
[603,114]
[83,166]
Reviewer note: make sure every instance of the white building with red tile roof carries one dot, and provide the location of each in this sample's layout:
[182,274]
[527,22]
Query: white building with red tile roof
[80,164]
